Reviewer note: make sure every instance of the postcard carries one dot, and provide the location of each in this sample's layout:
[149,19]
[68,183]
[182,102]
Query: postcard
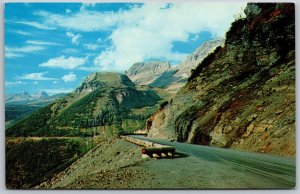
[190,95]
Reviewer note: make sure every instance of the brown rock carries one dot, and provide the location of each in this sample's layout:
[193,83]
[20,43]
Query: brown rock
[248,131]
[260,129]
[252,117]
[218,129]
[228,129]
[280,133]
[278,112]
[270,121]
[266,136]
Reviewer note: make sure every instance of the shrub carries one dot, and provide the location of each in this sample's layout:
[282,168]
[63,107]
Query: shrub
[163,104]
[31,162]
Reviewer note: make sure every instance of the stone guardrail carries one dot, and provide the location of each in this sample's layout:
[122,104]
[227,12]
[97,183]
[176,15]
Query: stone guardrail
[151,149]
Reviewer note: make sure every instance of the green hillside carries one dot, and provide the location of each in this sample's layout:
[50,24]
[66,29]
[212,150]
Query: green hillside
[108,100]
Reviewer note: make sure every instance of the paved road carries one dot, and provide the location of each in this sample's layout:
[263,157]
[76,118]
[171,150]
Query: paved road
[269,170]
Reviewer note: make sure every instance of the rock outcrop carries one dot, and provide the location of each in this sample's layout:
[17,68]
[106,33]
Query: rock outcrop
[241,96]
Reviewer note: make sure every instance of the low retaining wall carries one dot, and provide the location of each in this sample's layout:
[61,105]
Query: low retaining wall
[152,149]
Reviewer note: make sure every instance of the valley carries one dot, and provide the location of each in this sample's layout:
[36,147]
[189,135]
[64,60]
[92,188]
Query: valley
[18,106]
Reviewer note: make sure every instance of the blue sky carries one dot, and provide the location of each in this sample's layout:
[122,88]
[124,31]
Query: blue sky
[52,47]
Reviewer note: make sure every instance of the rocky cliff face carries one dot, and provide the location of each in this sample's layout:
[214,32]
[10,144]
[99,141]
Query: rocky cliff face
[242,96]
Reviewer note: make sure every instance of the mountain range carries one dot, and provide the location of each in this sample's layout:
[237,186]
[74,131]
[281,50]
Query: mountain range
[109,101]
[171,78]
[26,98]
[18,106]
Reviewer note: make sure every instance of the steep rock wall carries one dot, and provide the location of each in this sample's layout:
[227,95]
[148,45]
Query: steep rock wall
[243,94]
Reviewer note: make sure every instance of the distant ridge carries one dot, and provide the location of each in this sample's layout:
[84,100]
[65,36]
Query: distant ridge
[162,75]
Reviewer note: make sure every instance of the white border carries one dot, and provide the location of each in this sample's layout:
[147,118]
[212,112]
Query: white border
[2,108]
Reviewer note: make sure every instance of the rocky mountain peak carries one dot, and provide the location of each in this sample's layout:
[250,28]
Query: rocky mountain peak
[184,69]
[25,93]
[206,48]
[99,79]
[41,94]
[144,73]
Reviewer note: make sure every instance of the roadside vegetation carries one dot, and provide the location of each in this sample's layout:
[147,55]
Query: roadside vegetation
[31,161]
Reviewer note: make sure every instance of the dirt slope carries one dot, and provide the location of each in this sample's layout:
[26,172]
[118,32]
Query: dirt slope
[102,167]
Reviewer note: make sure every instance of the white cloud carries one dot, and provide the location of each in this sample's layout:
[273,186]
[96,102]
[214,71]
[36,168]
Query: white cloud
[15,83]
[36,76]
[69,77]
[58,91]
[55,82]
[64,62]
[84,20]
[70,51]
[25,49]
[89,68]
[99,40]
[37,25]
[23,33]
[12,55]
[149,30]
[102,43]
[36,42]
[12,52]
[194,38]
[92,47]
[74,37]
[87,5]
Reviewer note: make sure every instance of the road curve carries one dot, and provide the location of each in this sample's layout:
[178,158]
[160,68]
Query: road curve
[280,171]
